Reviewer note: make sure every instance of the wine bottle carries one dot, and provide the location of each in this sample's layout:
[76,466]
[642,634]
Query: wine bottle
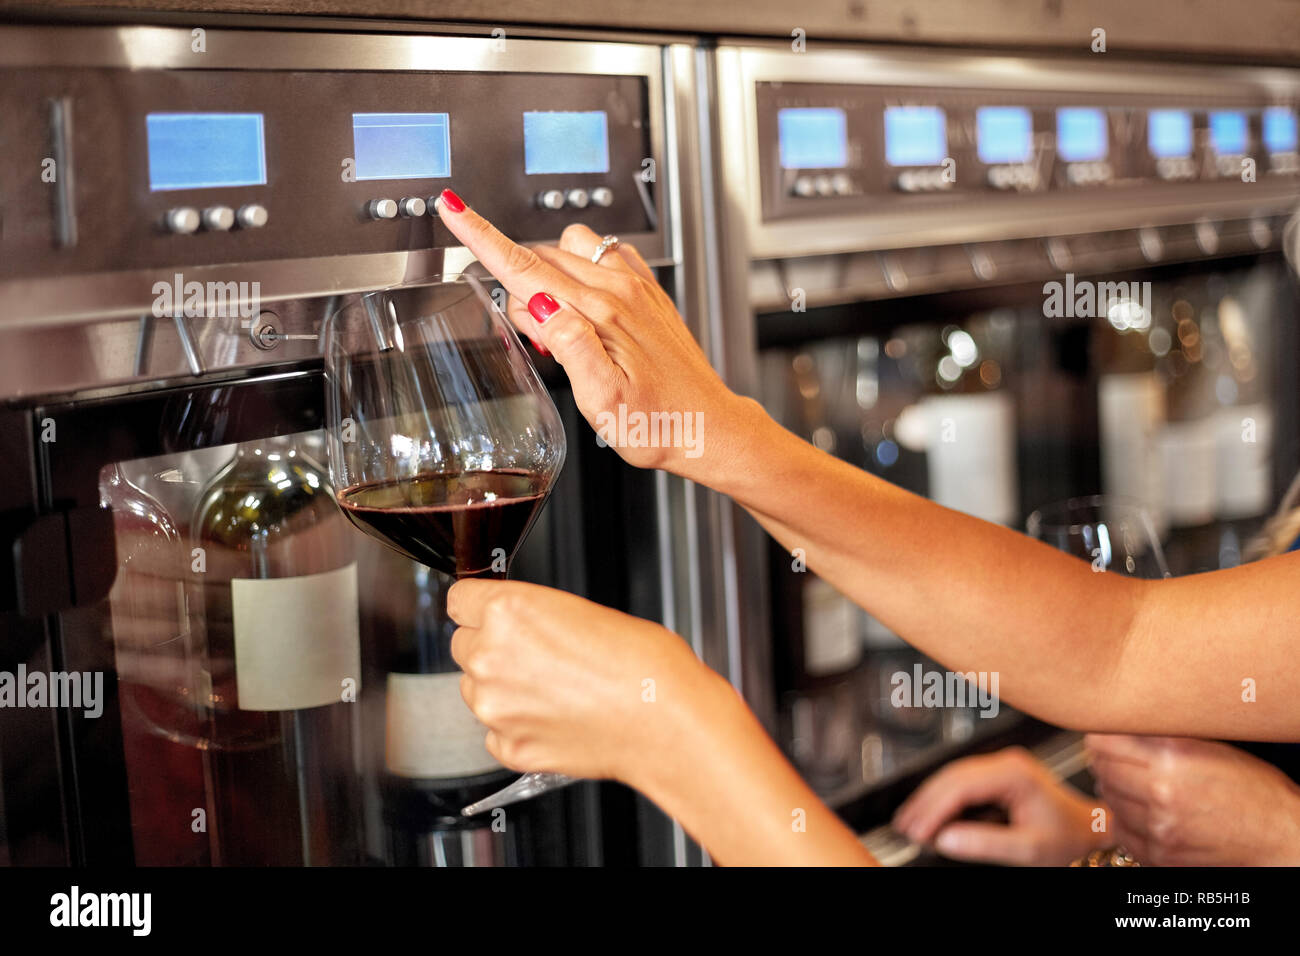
[277,584]
[434,758]
[161,680]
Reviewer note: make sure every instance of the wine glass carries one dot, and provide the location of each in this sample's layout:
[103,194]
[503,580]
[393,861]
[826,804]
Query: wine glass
[1113,534]
[443,442]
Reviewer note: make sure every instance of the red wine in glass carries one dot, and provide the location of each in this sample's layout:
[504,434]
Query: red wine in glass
[465,524]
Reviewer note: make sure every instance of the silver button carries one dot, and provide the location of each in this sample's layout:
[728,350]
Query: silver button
[602,196]
[841,184]
[577,198]
[803,186]
[551,199]
[252,216]
[218,218]
[183,220]
[823,185]
[411,206]
[382,209]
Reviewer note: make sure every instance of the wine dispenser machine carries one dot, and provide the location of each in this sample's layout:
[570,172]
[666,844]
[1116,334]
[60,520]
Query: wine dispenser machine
[206,665]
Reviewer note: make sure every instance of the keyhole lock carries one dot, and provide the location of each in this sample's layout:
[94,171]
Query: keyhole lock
[265,334]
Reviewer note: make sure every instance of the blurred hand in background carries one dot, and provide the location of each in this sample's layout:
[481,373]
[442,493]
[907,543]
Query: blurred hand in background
[1049,822]
[1178,801]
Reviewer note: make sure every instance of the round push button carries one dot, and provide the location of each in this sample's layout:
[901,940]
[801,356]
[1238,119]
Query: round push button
[183,220]
[218,218]
[252,216]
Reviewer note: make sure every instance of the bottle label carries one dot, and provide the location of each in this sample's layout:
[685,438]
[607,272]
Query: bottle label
[971,454]
[431,731]
[1244,460]
[297,640]
[832,638]
[1131,410]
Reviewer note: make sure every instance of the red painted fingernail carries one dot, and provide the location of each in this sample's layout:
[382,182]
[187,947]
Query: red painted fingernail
[452,201]
[542,306]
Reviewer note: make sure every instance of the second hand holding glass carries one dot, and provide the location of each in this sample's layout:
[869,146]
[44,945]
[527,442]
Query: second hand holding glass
[443,442]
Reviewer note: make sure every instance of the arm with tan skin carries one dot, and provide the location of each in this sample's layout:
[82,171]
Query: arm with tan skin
[556,698]
[1095,651]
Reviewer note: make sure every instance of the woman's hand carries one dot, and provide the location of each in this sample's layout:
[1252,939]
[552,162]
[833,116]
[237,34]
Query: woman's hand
[1179,801]
[568,686]
[638,375]
[1050,823]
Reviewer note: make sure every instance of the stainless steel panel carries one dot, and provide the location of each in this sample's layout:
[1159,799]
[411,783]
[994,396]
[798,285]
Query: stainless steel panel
[740,67]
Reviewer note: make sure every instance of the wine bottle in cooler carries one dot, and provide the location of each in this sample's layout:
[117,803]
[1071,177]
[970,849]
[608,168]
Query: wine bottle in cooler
[161,673]
[820,628]
[1245,419]
[276,582]
[434,756]
[1131,417]
[970,419]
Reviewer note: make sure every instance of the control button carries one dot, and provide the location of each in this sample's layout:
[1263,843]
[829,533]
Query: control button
[602,196]
[218,218]
[803,186]
[577,198]
[841,185]
[252,216]
[908,181]
[382,209]
[551,199]
[1175,168]
[183,220]
[823,185]
[1019,176]
[411,207]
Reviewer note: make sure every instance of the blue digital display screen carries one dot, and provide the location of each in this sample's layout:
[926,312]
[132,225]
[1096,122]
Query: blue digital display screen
[1169,134]
[1229,133]
[1081,134]
[205,150]
[401,145]
[915,136]
[566,142]
[813,138]
[1280,130]
[1006,134]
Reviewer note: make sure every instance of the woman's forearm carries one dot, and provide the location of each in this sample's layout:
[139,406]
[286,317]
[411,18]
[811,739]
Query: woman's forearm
[729,786]
[1072,646]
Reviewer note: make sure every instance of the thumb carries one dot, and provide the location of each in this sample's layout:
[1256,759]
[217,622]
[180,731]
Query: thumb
[986,843]
[572,340]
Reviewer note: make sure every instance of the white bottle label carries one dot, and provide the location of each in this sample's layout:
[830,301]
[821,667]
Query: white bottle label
[1187,462]
[832,641]
[296,639]
[1131,412]
[1244,460]
[971,454]
[431,731]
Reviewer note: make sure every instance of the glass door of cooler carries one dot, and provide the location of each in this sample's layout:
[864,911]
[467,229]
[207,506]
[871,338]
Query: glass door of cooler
[270,686]
[1180,396]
